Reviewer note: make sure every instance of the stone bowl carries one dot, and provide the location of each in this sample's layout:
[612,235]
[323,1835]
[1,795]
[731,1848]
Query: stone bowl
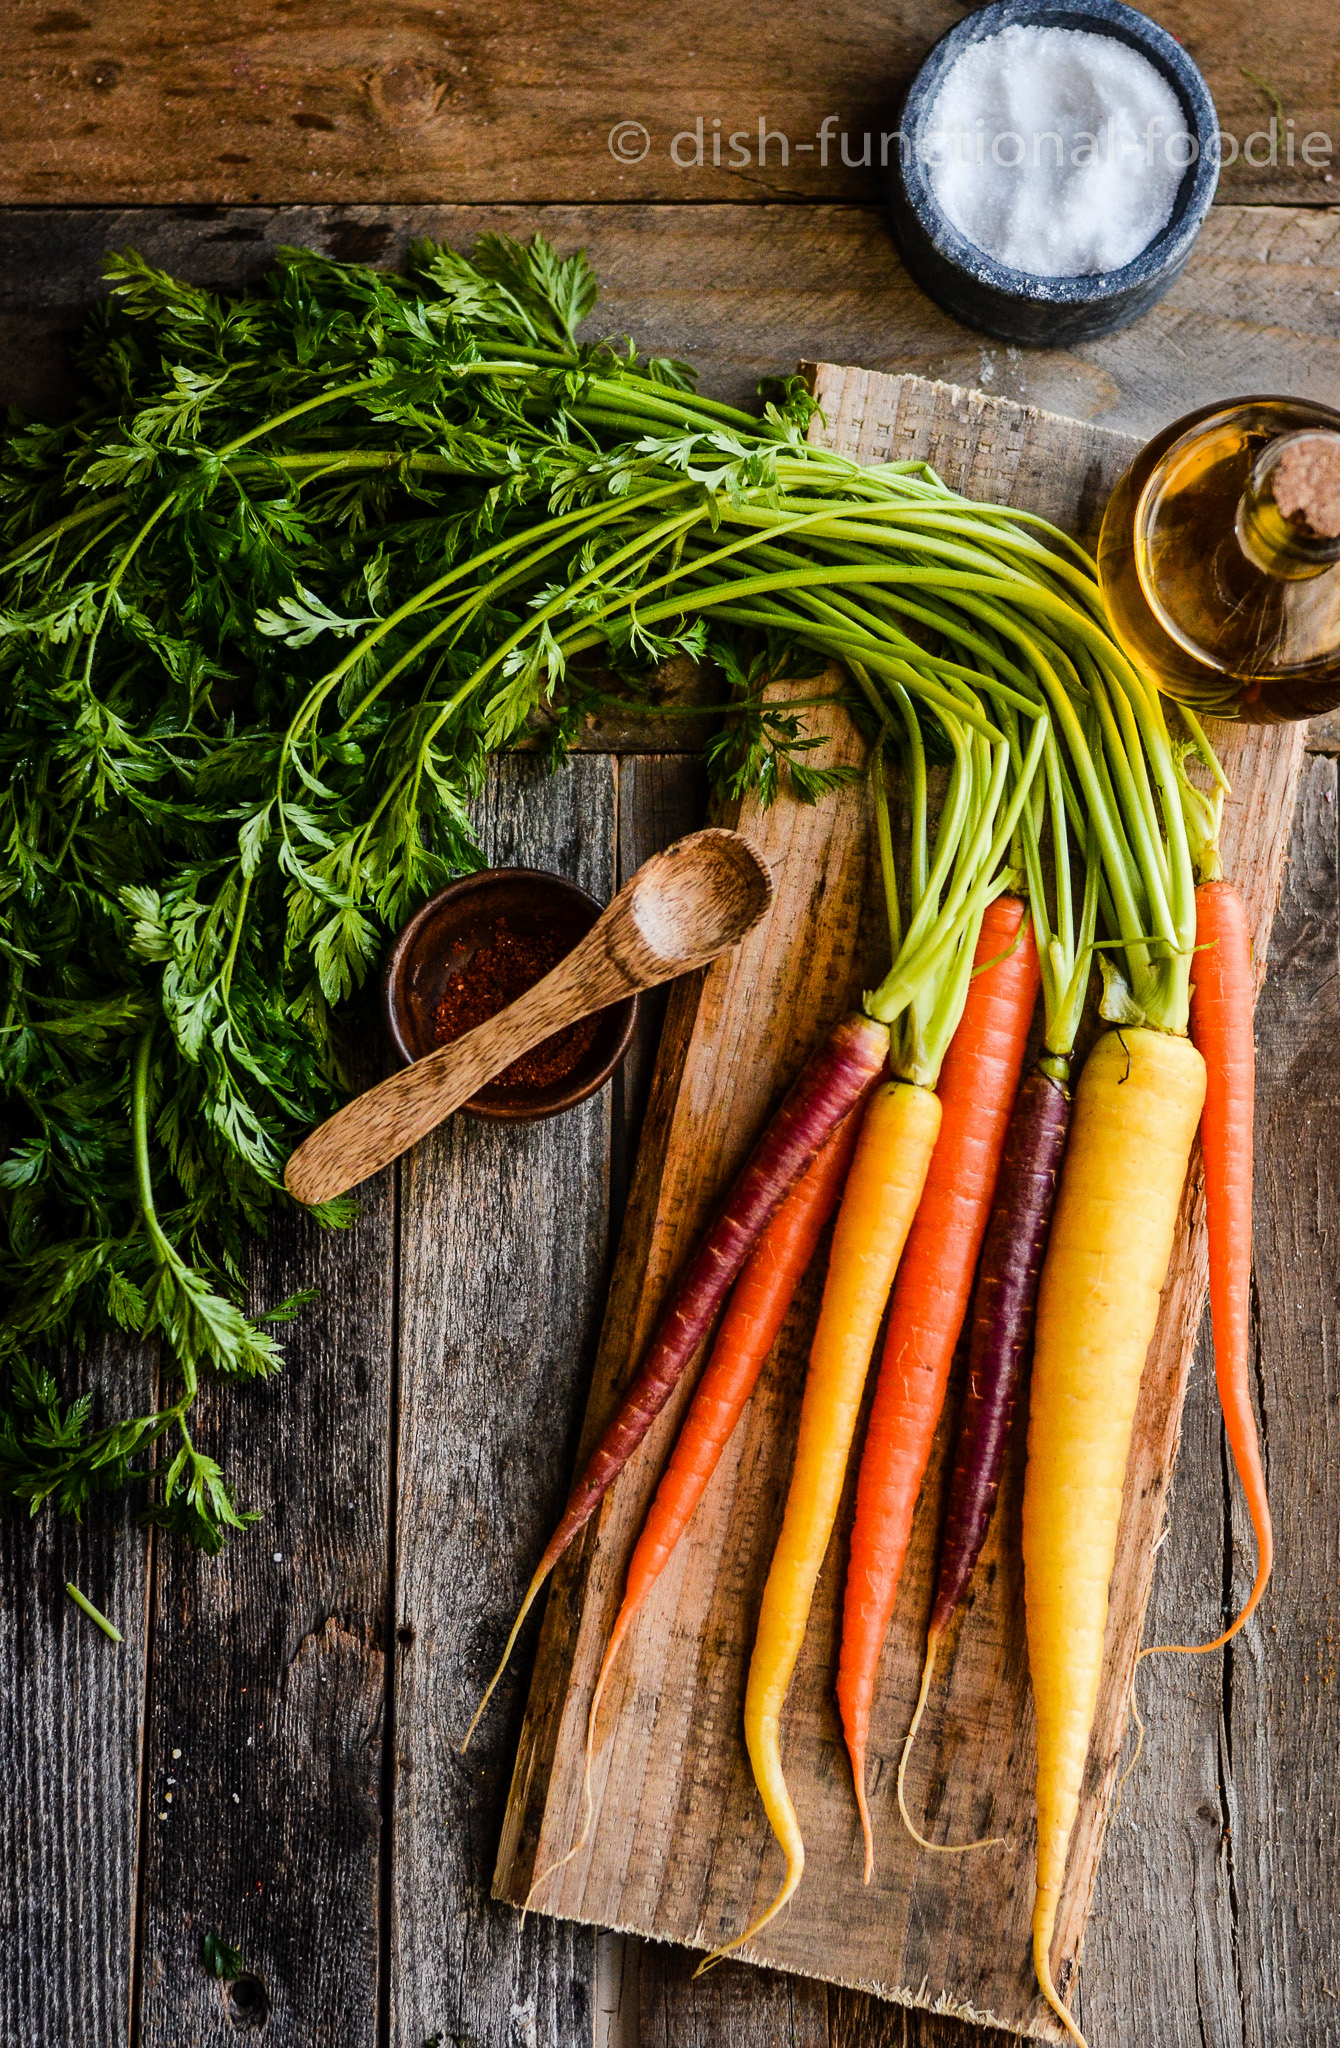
[1013,305]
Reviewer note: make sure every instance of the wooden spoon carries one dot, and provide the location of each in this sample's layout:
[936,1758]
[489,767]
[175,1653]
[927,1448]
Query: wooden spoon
[680,909]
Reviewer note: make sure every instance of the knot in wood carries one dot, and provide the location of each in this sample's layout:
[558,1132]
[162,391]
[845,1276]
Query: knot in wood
[406,95]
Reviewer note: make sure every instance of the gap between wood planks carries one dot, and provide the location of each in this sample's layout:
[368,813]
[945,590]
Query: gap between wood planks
[390,1634]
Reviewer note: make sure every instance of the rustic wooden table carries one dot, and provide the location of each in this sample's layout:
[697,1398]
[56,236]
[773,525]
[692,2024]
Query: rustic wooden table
[271,1755]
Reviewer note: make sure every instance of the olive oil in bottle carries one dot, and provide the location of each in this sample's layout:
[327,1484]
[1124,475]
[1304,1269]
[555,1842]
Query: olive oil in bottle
[1219,559]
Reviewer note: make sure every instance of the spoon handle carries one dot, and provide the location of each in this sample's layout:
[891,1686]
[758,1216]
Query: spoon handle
[377,1126]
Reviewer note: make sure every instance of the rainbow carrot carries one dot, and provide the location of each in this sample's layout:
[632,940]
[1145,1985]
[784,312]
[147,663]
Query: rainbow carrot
[1002,1329]
[883,1189]
[1222,997]
[1136,1109]
[977,1087]
[749,1329]
[835,1078]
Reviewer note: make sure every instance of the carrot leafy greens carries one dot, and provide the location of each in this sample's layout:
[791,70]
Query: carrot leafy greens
[298,564]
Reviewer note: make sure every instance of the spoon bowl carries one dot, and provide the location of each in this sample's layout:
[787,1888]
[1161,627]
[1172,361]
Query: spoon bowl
[698,896]
[680,909]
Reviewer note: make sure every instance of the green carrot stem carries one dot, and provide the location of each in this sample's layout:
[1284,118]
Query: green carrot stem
[917,790]
[95,1614]
[884,840]
[98,510]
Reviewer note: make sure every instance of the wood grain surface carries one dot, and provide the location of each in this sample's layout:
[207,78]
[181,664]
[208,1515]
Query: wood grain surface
[502,1259]
[266,1695]
[71,1740]
[746,292]
[1281,1681]
[679,1847]
[327,100]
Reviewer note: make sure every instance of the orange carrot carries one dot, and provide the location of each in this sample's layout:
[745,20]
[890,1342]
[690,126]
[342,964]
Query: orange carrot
[836,1075]
[749,1329]
[977,1086]
[1221,1031]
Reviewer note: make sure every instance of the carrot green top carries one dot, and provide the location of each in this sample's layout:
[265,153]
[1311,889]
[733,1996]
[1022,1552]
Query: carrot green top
[952,878]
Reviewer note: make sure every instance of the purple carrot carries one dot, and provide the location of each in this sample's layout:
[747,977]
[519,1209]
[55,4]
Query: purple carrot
[1002,1325]
[1002,1328]
[832,1081]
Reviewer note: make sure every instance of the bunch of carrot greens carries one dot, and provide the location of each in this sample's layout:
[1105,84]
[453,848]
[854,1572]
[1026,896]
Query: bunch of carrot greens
[298,564]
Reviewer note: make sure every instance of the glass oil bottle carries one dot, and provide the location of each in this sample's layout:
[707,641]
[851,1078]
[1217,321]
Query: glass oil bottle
[1219,559]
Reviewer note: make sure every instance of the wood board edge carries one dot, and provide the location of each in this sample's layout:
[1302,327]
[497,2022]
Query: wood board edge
[832,378]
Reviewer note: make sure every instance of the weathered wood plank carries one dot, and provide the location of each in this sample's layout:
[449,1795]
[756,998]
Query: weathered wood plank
[747,291]
[267,1692]
[857,2021]
[732,2007]
[166,104]
[660,798]
[1282,1700]
[502,1254]
[680,1850]
[71,1729]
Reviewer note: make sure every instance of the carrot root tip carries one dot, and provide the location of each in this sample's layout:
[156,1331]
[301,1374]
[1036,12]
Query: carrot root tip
[856,1752]
[558,1864]
[526,1605]
[790,1884]
[1139,1744]
[1053,1997]
[1239,1621]
[935,1848]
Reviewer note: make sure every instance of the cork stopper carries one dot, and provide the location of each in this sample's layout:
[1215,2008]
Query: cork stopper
[1305,483]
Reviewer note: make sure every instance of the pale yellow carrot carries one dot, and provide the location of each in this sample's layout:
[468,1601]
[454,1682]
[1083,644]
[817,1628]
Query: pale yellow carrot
[1136,1109]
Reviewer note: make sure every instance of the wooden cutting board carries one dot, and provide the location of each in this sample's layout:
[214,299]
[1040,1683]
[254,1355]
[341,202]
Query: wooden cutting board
[679,1848]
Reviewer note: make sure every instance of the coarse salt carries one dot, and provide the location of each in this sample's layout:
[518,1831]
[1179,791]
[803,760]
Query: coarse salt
[1057,151]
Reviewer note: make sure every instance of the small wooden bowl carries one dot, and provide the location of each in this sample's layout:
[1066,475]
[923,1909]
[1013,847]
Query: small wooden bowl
[440,938]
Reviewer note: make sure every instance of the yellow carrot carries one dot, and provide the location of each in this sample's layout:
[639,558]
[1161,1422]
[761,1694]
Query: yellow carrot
[880,1200]
[1136,1110]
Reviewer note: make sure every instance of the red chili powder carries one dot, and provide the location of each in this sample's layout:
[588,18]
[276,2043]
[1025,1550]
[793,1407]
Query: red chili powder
[502,967]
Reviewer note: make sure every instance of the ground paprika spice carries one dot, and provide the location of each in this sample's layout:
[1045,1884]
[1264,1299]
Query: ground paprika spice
[503,965]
